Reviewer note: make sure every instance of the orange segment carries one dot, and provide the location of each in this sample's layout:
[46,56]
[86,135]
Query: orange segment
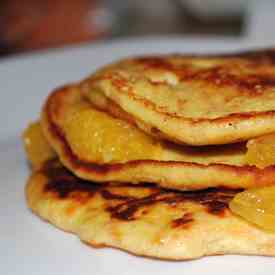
[36,146]
[261,151]
[256,206]
[96,136]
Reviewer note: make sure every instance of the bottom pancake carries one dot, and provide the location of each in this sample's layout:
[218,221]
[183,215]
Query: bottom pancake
[144,219]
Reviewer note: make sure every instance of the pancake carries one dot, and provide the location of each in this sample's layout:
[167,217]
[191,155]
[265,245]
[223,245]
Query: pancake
[144,220]
[195,100]
[123,153]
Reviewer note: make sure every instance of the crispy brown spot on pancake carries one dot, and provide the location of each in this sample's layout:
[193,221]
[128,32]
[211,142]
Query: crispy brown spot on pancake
[120,83]
[66,185]
[63,182]
[155,131]
[219,75]
[250,84]
[217,207]
[111,196]
[215,200]
[184,221]
[127,210]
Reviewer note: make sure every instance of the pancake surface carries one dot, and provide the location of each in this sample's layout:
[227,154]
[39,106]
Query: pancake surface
[196,100]
[144,220]
[171,166]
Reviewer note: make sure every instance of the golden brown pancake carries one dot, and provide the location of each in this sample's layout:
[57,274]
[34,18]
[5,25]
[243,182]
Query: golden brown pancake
[144,219]
[195,100]
[168,165]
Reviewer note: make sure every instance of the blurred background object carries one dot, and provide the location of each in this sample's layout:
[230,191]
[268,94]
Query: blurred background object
[37,24]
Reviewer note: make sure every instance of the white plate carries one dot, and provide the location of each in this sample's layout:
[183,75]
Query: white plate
[27,244]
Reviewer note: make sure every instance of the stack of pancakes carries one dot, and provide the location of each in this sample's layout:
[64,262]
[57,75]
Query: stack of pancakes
[146,154]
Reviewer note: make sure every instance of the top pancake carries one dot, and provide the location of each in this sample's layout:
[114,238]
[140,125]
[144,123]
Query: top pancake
[196,100]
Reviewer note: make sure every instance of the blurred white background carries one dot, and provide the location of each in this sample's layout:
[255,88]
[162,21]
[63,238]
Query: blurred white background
[35,24]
